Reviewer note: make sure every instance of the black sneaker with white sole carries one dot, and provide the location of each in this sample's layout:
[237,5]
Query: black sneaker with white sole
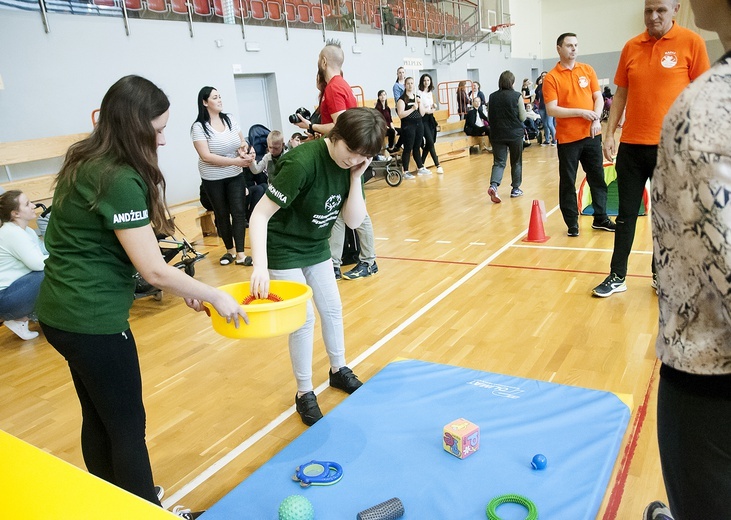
[611,284]
[606,225]
[345,380]
[308,408]
[573,231]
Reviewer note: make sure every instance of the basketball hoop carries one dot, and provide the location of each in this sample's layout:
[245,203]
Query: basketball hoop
[502,31]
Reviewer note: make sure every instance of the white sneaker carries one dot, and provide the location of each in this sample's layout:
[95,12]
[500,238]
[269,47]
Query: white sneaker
[21,329]
[440,169]
[423,171]
[408,176]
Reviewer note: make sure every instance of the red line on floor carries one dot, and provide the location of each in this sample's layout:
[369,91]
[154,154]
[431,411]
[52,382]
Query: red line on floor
[505,266]
[615,498]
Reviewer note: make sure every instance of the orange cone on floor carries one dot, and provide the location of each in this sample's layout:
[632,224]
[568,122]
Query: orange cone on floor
[535,228]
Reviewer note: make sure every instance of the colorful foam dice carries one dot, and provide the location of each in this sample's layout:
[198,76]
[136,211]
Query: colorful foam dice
[461,438]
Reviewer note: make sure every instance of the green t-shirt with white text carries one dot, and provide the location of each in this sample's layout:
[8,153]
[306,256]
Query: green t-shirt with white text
[310,188]
[89,286]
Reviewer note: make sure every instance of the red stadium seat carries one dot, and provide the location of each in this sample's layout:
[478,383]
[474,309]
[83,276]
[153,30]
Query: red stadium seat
[202,7]
[157,6]
[105,3]
[134,5]
[303,13]
[290,11]
[274,10]
[179,6]
[258,10]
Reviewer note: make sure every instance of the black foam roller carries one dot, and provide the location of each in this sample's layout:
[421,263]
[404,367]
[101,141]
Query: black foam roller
[389,510]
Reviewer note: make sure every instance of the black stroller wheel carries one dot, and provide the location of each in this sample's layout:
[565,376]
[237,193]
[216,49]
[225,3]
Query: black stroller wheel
[393,177]
[190,270]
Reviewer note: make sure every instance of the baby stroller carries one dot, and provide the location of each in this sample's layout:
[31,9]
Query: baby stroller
[389,167]
[169,250]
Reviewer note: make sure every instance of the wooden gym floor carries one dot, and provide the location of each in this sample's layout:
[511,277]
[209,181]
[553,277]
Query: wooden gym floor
[456,285]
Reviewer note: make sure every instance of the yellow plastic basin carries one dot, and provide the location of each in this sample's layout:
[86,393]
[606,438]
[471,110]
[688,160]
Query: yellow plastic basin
[266,318]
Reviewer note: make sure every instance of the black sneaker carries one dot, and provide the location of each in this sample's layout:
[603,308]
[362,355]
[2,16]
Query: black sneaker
[160,492]
[657,511]
[338,275]
[374,267]
[573,231]
[611,284]
[345,380]
[516,192]
[308,408]
[606,225]
[359,271]
[653,283]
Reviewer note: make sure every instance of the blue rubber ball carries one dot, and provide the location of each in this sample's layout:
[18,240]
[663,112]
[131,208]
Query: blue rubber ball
[296,507]
[539,462]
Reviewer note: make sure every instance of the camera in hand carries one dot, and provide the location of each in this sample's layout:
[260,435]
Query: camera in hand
[300,111]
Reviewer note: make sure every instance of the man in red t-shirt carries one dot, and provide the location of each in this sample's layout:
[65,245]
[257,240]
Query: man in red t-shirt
[653,69]
[571,93]
[336,97]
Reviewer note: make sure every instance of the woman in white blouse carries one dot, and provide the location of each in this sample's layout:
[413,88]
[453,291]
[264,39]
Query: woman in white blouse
[21,262]
[429,106]
[223,154]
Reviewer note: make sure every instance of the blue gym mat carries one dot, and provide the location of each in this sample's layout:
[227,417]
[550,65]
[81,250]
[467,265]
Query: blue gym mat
[388,438]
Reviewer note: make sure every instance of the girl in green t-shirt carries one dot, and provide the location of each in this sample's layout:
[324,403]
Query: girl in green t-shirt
[290,228]
[108,205]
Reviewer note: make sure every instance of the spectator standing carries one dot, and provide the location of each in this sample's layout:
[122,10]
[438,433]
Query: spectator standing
[549,123]
[428,107]
[385,111]
[223,153]
[463,99]
[653,69]
[476,92]
[572,96]
[409,109]
[691,222]
[506,113]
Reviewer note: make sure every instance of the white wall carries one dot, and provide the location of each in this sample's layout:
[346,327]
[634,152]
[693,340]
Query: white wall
[53,81]
[527,39]
[600,26]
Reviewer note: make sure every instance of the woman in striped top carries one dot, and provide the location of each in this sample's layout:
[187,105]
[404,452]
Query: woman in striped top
[223,153]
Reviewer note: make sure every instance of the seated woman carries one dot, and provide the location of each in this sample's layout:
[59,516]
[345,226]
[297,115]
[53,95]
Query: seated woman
[476,123]
[391,130]
[21,262]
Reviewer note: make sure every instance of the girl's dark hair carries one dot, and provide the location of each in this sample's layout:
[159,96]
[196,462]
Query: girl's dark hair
[506,81]
[204,118]
[421,83]
[385,103]
[9,202]
[123,136]
[363,130]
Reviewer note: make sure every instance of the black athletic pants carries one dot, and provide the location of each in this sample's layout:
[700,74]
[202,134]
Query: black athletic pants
[412,133]
[588,152]
[430,137]
[694,435]
[635,164]
[106,373]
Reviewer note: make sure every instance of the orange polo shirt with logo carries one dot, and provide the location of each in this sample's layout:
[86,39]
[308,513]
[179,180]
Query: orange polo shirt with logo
[654,72]
[571,88]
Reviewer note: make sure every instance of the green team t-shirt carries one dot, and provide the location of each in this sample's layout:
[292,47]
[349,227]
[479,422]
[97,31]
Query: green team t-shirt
[310,188]
[88,286]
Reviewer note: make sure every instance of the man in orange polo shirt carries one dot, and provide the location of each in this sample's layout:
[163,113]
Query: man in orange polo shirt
[571,93]
[653,69]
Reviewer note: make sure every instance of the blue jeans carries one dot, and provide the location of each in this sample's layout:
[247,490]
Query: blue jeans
[549,126]
[588,152]
[19,298]
[500,155]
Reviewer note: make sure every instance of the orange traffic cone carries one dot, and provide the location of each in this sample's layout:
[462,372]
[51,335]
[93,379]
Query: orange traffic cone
[535,228]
